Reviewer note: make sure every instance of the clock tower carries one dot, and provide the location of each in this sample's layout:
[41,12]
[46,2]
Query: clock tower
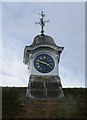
[42,58]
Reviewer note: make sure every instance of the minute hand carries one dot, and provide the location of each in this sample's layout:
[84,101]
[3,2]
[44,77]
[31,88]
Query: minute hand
[43,62]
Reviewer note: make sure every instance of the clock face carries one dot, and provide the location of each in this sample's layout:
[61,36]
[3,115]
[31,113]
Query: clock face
[44,63]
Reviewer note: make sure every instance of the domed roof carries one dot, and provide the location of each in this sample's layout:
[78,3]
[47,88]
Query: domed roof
[39,39]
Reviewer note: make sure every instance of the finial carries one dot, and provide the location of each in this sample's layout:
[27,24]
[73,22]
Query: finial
[42,22]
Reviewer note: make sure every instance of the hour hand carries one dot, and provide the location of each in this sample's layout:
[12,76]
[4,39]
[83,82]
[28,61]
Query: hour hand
[43,62]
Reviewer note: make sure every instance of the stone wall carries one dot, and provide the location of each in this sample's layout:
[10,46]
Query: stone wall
[44,87]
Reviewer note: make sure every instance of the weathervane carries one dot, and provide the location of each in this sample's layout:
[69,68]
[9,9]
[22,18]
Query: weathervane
[42,22]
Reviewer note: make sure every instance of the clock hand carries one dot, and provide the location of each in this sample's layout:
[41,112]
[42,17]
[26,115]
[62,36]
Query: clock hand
[43,62]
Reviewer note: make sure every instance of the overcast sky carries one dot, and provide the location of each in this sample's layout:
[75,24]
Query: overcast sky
[66,27]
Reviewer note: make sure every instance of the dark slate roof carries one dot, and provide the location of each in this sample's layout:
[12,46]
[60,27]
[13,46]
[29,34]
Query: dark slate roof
[14,105]
[39,39]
